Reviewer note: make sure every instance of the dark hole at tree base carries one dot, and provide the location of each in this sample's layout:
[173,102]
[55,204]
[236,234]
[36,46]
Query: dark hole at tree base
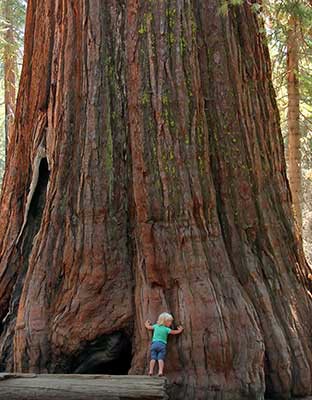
[108,354]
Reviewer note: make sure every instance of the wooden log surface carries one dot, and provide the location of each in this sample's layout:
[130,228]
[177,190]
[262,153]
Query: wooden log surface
[81,387]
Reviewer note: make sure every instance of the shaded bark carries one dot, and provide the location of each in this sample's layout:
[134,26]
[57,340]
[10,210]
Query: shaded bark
[151,133]
[294,156]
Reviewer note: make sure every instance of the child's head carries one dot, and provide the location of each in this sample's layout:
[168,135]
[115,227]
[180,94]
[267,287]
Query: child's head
[165,319]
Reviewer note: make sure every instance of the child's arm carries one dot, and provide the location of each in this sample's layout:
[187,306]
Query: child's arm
[176,331]
[148,325]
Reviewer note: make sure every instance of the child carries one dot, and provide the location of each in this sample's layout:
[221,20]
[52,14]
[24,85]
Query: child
[159,341]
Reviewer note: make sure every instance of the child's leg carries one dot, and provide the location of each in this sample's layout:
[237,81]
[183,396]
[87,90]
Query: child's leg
[153,358]
[161,365]
[161,359]
[151,368]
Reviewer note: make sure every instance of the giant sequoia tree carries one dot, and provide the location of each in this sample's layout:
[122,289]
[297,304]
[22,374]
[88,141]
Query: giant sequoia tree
[146,173]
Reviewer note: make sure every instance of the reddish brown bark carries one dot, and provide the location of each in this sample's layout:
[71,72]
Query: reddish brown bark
[147,174]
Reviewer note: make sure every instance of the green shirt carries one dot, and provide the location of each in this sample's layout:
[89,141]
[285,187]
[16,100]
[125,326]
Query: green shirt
[161,333]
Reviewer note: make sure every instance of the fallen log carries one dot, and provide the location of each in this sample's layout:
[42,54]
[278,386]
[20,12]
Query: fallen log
[81,387]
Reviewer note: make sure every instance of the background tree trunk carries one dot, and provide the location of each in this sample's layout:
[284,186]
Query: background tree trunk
[148,174]
[294,156]
[10,70]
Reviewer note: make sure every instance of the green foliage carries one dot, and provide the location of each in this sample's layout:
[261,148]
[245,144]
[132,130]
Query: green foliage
[12,16]
[224,8]
[283,9]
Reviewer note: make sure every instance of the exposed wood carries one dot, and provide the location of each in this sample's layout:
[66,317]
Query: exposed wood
[81,387]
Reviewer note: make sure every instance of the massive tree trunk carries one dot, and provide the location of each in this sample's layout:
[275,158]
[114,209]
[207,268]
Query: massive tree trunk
[294,156]
[146,173]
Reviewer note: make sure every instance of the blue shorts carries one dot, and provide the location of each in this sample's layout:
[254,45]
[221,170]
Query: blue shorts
[158,351]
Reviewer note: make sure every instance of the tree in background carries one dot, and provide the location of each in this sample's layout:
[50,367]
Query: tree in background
[12,16]
[290,41]
[293,115]
[2,130]
[147,173]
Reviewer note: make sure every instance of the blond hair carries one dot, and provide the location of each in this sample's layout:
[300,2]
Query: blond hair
[163,317]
